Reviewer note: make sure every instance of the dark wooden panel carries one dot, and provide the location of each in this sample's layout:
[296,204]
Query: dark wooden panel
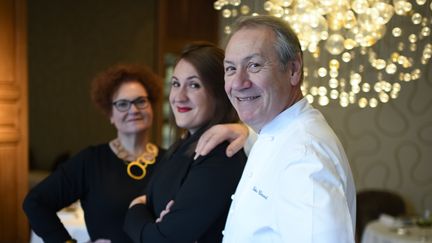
[188,20]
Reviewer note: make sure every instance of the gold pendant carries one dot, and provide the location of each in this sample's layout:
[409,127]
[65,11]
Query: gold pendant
[149,157]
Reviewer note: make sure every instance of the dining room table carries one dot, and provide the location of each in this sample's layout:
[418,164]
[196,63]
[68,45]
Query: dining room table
[382,231]
[72,218]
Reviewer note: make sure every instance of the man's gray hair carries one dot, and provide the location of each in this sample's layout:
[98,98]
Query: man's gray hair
[287,44]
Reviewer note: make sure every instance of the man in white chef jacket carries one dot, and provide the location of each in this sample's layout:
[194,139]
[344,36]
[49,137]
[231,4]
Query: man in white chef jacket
[297,185]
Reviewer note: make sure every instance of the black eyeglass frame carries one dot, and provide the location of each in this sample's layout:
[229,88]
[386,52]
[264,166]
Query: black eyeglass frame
[129,103]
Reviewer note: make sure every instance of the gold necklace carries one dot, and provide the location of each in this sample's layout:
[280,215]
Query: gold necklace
[146,158]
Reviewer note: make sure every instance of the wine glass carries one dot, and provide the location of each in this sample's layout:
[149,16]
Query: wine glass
[424,223]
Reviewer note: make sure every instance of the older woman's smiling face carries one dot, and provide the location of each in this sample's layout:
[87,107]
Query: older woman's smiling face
[135,119]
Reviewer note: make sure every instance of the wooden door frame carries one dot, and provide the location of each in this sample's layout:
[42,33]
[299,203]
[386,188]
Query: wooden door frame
[13,120]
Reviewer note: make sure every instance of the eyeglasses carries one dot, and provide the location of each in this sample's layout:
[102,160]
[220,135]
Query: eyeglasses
[124,105]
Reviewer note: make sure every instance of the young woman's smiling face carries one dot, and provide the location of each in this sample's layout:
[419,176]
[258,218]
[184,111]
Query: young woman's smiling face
[189,100]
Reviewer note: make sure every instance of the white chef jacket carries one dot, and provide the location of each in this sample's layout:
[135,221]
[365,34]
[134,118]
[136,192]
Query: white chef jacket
[297,185]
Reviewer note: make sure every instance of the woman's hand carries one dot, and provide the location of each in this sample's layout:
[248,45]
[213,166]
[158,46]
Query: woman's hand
[139,200]
[235,133]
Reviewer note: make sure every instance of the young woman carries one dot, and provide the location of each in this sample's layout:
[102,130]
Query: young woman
[187,200]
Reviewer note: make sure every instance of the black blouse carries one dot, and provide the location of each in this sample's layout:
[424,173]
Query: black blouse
[96,177]
[201,190]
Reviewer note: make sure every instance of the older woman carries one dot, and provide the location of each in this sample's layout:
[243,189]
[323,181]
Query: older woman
[106,177]
[187,200]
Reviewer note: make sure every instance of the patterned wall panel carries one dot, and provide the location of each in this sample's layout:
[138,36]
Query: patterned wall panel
[390,147]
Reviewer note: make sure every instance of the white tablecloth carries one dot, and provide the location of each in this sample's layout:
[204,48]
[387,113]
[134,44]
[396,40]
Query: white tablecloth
[378,232]
[73,220]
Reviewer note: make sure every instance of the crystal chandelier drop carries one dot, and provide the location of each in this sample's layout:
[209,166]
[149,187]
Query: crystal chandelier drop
[357,52]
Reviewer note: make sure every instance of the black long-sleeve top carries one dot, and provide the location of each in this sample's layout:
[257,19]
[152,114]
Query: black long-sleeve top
[96,177]
[201,190]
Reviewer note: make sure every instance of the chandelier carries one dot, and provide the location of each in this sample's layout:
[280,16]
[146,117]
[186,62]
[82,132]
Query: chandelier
[358,52]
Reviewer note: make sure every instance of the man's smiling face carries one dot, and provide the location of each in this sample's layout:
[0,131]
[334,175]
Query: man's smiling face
[257,85]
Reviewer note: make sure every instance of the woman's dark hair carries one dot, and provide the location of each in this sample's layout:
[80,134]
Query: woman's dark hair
[106,84]
[207,59]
